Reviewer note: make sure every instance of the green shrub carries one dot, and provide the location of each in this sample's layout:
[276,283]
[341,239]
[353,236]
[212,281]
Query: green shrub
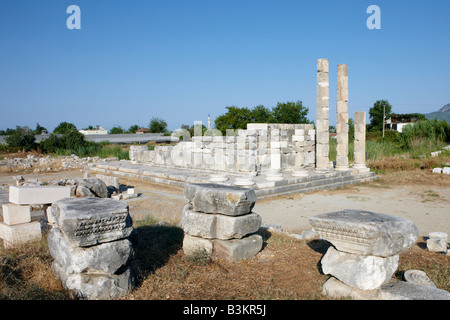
[21,138]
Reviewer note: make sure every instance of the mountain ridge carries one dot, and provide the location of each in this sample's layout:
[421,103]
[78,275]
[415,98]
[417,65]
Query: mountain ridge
[442,114]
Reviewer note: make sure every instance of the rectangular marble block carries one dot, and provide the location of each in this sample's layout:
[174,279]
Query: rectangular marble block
[37,194]
[16,214]
[19,233]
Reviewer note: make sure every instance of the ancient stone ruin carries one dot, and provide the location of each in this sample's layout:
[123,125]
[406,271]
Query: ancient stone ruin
[218,221]
[17,226]
[271,158]
[364,255]
[90,243]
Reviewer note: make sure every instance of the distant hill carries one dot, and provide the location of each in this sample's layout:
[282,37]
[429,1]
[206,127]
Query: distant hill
[442,114]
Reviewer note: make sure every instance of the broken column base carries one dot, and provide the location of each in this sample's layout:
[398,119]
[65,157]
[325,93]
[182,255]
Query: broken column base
[342,168]
[233,250]
[300,173]
[394,290]
[20,233]
[360,168]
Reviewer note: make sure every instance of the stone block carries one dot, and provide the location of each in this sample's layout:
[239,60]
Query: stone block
[436,245]
[216,198]
[19,233]
[218,226]
[232,250]
[16,214]
[366,233]
[365,272]
[238,249]
[108,180]
[37,194]
[89,221]
[107,257]
[96,286]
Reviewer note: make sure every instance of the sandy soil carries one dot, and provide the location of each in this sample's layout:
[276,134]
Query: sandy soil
[426,204]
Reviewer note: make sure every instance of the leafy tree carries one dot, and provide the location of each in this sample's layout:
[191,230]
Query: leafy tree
[133,128]
[21,137]
[64,127]
[39,129]
[261,114]
[376,114]
[52,143]
[2,133]
[351,130]
[157,125]
[72,140]
[197,128]
[290,112]
[235,118]
[116,130]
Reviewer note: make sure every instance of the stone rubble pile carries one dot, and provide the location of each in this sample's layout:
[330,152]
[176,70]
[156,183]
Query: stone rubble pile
[48,163]
[91,247]
[219,221]
[365,253]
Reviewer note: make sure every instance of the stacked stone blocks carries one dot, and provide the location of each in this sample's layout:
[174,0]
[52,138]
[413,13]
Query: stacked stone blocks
[218,220]
[365,246]
[17,227]
[93,255]
[259,148]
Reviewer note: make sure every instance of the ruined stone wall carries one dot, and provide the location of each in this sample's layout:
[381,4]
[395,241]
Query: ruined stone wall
[259,148]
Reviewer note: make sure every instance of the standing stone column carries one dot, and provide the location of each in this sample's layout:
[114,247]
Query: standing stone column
[359,165]
[322,125]
[342,118]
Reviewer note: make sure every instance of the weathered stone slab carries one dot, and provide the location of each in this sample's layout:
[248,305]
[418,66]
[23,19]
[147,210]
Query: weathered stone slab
[218,226]
[96,286]
[366,233]
[37,194]
[391,291]
[216,198]
[410,291]
[89,221]
[16,214]
[233,250]
[19,233]
[106,257]
[362,272]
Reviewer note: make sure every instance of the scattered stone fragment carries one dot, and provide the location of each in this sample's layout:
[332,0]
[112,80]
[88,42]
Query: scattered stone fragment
[418,277]
[437,242]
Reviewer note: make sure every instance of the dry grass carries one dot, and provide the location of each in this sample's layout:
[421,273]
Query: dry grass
[286,269]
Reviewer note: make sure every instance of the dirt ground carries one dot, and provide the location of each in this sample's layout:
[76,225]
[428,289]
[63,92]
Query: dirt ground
[286,268]
[418,195]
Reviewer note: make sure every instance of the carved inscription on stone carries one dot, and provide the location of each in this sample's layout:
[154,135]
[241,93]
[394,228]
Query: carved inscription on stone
[103,225]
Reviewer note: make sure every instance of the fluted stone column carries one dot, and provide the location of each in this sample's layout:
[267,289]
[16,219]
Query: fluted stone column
[342,118]
[359,165]
[322,123]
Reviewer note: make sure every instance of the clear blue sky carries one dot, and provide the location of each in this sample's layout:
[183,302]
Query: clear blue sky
[181,60]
